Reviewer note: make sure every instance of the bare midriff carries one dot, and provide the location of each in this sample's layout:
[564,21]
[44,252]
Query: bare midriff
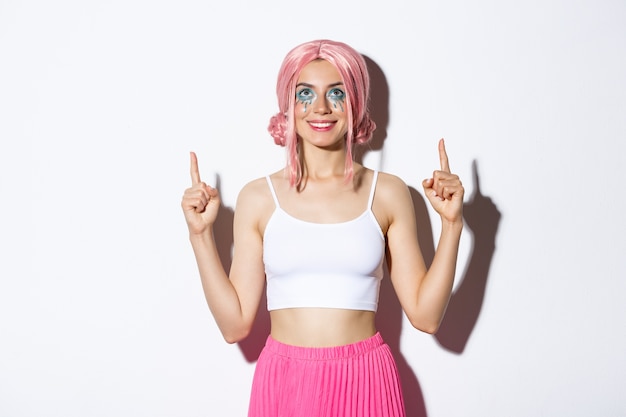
[321,327]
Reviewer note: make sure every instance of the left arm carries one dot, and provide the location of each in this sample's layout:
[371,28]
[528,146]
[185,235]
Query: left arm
[424,293]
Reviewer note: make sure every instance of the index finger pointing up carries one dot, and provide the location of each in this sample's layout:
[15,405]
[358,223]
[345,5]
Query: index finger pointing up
[195,172]
[443,156]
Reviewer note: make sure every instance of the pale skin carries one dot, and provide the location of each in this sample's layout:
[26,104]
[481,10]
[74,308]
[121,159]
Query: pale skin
[325,198]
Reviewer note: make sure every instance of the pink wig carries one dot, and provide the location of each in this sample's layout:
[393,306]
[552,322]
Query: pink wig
[353,71]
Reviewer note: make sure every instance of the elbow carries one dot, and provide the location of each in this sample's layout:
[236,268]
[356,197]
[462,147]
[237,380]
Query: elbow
[231,339]
[426,326]
[430,329]
[236,335]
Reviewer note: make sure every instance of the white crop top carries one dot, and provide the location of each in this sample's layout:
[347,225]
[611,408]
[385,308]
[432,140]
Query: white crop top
[336,265]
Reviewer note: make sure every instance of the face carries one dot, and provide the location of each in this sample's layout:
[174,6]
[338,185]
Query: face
[320,111]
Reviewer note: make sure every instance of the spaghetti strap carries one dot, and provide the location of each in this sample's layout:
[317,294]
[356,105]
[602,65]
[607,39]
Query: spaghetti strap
[269,182]
[370,201]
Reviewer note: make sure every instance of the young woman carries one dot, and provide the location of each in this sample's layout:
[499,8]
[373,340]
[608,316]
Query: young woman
[316,232]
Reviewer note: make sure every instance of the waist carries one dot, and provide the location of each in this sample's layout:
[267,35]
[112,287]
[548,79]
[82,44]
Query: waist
[325,353]
[321,327]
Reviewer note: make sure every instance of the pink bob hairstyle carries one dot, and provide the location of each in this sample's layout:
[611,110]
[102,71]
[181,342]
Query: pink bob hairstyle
[353,71]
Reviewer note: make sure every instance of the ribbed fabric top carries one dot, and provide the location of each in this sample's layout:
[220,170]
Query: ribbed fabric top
[336,265]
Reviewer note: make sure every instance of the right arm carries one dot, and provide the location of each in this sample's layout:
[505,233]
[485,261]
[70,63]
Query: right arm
[233,300]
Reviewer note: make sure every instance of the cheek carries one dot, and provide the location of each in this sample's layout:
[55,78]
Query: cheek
[299,124]
[301,108]
[338,105]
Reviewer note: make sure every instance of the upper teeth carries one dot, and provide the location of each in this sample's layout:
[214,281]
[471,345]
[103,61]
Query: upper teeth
[321,124]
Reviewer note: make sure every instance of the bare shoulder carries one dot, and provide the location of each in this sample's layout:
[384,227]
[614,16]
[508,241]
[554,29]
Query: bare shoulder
[392,200]
[390,187]
[254,193]
[255,203]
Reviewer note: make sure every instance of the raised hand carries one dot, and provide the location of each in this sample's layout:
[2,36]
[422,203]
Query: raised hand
[444,190]
[200,202]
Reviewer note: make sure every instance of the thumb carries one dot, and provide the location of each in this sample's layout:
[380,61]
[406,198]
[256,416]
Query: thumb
[429,191]
[428,187]
[213,194]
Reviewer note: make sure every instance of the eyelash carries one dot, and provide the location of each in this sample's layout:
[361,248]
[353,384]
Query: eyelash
[306,96]
[337,97]
[308,99]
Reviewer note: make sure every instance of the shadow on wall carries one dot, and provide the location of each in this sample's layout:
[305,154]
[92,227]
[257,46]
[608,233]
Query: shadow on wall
[481,217]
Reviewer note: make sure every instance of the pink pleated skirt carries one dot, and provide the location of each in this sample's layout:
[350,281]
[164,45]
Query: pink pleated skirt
[355,380]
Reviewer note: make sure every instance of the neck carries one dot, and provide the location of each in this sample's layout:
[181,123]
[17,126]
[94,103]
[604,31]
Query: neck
[323,162]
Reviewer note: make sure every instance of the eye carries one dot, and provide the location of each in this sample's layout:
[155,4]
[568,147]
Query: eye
[336,94]
[306,95]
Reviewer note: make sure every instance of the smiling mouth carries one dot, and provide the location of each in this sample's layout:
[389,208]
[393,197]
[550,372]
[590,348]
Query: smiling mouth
[321,125]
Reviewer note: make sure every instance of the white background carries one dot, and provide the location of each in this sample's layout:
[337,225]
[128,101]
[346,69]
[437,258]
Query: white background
[101,309]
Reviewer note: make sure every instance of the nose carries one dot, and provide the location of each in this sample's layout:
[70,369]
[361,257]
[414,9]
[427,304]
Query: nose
[322,106]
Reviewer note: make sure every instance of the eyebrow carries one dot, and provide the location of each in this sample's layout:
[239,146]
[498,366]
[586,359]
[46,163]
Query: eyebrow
[312,86]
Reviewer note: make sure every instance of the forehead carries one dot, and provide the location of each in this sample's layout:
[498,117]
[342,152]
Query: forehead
[319,73]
